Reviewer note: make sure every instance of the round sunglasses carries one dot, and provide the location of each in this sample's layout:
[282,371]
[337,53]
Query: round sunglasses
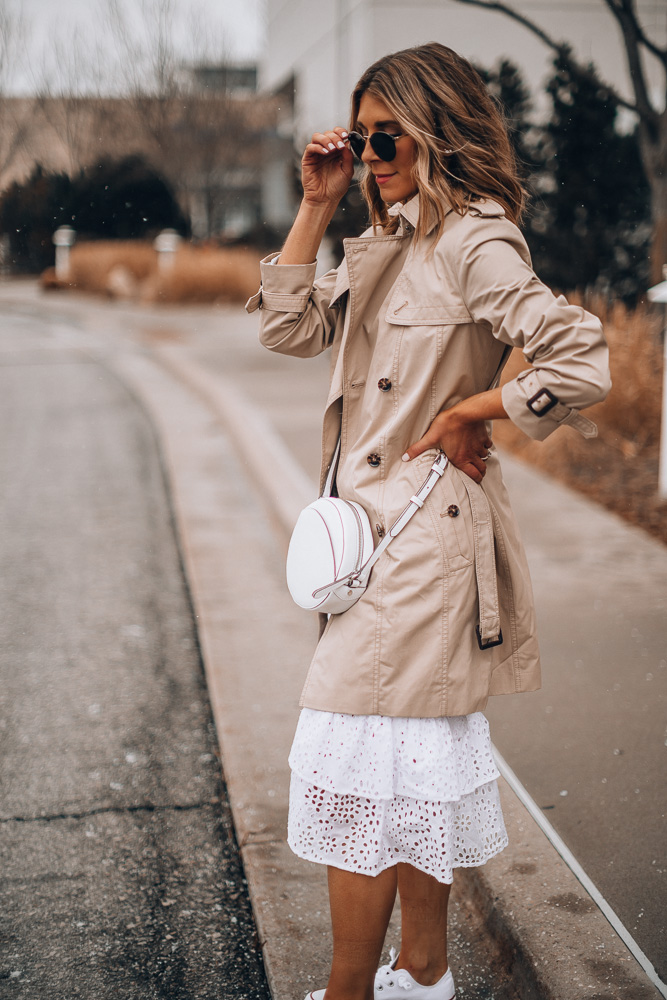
[382,144]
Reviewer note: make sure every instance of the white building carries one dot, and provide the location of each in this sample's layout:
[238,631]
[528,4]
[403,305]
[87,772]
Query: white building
[327,44]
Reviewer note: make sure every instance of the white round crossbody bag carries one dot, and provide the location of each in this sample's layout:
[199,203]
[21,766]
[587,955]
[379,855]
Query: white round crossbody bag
[331,552]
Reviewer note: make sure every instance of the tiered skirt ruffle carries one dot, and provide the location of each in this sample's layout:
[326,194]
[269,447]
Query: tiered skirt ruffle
[368,792]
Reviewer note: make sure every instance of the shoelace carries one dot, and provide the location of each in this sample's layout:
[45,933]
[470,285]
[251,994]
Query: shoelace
[387,975]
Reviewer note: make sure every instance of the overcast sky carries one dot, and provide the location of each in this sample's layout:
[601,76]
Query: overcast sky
[232,27]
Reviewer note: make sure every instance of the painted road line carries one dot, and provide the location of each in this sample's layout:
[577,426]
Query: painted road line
[568,857]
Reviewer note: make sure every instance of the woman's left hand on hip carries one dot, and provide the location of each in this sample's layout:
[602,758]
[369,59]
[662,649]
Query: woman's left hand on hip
[461,432]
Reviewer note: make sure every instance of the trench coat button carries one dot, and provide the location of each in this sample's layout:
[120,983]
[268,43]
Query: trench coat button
[453,510]
[384,385]
[374,460]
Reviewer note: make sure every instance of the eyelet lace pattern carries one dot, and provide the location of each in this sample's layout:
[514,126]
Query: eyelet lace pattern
[368,792]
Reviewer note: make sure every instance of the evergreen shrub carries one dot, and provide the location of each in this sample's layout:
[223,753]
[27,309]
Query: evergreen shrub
[112,199]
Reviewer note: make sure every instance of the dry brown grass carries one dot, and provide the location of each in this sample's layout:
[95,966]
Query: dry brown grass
[619,468]
[207,275]
[92,263]
[129,269]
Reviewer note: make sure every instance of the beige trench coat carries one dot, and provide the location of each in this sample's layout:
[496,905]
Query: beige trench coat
[419,642]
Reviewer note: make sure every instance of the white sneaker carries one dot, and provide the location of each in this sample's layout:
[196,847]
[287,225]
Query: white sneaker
[394,984]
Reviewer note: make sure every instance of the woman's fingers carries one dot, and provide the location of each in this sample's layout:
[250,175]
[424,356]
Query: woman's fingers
[327,167]
[328,142]
[320,147]
[474,473]
[419,447]
[479,464]
[431,440]
[473,465]
[466,444]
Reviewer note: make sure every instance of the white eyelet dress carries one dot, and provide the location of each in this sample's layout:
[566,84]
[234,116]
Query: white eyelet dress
[368,792]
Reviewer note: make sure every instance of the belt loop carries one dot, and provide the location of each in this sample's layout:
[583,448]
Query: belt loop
[488,629]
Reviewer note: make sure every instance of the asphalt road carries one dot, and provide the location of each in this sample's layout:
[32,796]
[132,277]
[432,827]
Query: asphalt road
[590,746]
[120,872]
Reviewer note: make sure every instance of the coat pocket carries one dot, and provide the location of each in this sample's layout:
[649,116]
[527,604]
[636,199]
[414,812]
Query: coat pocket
[414,305]
[450,511]
[406,314]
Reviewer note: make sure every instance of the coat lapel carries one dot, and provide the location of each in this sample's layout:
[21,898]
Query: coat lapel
[342,284]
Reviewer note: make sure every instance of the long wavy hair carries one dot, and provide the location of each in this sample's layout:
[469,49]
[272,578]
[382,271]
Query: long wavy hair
[463,149]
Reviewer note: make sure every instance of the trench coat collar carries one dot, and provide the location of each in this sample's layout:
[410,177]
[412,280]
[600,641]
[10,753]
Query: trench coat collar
[409,213]
[409,216]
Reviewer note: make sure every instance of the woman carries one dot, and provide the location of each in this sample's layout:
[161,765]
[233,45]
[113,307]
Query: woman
[393,779]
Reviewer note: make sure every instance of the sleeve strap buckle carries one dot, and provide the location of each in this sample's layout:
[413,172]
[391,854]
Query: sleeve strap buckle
[537,405]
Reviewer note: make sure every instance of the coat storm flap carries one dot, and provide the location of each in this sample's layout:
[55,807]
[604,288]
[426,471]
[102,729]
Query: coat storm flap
[448,585]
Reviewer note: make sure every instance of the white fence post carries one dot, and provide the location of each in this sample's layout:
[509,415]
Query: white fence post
[63,239]
[166,243]
[659,294]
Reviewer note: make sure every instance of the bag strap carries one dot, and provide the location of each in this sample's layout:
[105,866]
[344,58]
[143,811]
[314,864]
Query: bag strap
[333,469]
[416,502]
[360,578]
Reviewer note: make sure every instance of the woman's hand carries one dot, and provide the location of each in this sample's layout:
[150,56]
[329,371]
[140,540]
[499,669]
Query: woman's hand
[326,172]
[327,167]
[462,434]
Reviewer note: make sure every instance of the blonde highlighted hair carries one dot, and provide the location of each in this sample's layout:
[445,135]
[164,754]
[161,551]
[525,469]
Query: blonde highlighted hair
[463,149]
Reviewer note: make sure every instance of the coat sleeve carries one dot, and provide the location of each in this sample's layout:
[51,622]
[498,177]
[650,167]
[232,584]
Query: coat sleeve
[564,343]
[295,317]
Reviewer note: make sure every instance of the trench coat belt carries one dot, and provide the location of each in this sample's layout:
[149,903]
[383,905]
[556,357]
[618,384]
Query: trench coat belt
[483,521]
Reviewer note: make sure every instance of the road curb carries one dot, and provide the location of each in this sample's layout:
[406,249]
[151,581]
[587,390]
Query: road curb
[554,939]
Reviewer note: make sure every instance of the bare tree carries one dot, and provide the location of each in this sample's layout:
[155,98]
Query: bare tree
[147,63]
[651,119]
[69,89]
[202,138]
[16,115]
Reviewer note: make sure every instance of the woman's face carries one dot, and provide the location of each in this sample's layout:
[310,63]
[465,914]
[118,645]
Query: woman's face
[394,178]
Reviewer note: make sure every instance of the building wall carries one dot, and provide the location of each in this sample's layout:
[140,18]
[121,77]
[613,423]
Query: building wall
[328,43]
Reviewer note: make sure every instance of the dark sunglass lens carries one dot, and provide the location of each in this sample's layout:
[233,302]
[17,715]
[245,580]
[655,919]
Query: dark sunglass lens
[384,145]
[357,143]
